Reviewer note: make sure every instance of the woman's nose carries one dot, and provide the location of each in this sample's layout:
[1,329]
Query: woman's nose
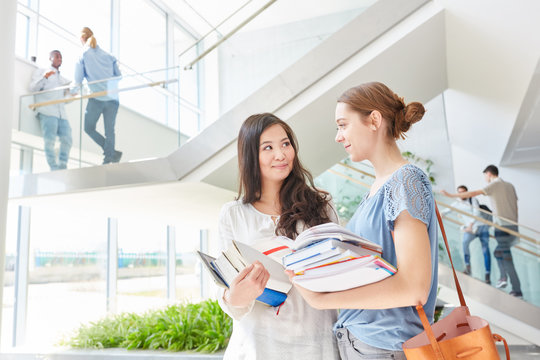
[279,154]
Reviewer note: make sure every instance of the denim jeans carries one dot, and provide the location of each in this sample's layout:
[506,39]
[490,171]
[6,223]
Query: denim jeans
[94,109]
[350,348]
[503,255]
[51,127]
[483,234]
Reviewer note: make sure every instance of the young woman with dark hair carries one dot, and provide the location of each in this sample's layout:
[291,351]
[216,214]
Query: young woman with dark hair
[276,197]
[399,214]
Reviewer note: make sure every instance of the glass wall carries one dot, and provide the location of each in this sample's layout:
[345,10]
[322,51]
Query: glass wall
[142,261]
[188,269]
[67,271]
[143,36]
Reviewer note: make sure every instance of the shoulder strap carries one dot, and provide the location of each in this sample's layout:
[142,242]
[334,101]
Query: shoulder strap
[458,287]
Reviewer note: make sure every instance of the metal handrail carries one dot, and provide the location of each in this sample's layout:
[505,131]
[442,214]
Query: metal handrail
[131,75]
[231,33]
[475,207]
[491,236]
[213,28]
[100,93]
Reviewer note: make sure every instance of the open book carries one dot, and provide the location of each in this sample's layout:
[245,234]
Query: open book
[226,267]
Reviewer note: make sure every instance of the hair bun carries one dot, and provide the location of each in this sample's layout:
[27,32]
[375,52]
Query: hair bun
[414,112]
[411,113]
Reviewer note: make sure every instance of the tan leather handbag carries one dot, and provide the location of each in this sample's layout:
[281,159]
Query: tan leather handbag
[459,335]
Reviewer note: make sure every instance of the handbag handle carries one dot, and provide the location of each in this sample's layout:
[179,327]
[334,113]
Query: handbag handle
[458,287]
[420,309]
[422,314]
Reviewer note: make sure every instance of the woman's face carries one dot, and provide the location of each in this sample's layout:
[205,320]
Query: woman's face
[276,154]
[353,133]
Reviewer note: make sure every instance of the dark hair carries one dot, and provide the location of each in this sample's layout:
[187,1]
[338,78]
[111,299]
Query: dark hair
[491,169]
[299,199]
[54,52]
[372,96]
[462,187]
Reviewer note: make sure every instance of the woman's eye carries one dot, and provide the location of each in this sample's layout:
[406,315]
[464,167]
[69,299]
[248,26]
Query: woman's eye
[268,147]
[286,143]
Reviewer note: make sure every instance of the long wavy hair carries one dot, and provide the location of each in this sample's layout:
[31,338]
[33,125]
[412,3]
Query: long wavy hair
[300,200]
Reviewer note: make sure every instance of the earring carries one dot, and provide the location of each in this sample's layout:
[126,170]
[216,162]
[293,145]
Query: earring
[373,127]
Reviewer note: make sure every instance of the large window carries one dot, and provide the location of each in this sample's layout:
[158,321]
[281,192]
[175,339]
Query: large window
[73,15]
[21,41]
[142,259]
[143,36]
[66,272]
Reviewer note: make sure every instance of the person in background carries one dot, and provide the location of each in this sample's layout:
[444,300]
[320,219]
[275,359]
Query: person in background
[503,198]
[472,229]
[52,118]
[276,196]
[95,64]
[397,213]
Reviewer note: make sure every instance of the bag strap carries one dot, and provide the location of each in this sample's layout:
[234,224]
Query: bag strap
[429,332]
[458,287]
[420,309]
[498,337]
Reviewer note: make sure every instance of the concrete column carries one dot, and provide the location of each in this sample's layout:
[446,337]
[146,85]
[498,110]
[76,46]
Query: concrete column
[112,264]
[171,263]
[8,11]
[21,277]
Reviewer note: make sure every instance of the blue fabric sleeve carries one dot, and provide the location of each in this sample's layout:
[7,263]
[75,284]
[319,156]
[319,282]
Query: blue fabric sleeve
[408,189]
[79,72]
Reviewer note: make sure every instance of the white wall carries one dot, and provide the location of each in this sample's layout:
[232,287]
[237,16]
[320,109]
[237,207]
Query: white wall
[491,57]
[428,139]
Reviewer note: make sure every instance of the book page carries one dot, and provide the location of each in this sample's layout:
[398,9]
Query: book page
[278,279]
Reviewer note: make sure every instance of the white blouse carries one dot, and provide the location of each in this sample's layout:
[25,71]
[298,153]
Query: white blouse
[259,332]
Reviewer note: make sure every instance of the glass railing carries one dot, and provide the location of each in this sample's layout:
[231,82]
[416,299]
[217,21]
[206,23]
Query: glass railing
[151,120]
[348,182]
[260,39]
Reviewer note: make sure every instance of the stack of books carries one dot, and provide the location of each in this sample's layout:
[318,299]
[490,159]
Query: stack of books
[324,258]
[329,257]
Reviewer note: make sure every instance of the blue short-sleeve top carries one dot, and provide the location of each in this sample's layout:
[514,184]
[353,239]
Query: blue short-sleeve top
[408,188]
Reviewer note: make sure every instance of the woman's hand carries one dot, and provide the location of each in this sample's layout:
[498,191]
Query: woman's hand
[247,286]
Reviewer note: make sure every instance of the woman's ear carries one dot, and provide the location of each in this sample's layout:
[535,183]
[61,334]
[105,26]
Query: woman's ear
[375,119]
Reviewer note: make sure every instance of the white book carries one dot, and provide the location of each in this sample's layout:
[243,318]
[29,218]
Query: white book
[278,281]
[345,275]
[323,249]
[331,230]
[323,259]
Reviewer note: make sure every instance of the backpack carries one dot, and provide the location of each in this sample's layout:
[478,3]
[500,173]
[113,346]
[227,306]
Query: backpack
[488,217]
[483,215]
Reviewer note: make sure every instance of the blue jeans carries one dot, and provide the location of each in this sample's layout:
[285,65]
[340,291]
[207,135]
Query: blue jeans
[483,234]
[51,127]
[109,109]
[350,348]
[504,256]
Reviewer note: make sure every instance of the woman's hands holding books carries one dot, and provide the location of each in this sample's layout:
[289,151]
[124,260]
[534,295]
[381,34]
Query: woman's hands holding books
[247,286]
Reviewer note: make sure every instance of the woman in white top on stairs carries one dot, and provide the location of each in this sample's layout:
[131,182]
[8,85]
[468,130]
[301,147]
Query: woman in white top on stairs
[276,197]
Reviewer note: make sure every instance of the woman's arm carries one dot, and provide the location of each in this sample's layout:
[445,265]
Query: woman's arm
[409,286]
[238,300]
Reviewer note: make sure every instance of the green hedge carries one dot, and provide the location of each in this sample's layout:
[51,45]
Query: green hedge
[201,327]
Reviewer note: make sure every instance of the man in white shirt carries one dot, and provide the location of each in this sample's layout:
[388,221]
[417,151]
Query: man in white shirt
[52,117]
[472,229]
[503,198]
